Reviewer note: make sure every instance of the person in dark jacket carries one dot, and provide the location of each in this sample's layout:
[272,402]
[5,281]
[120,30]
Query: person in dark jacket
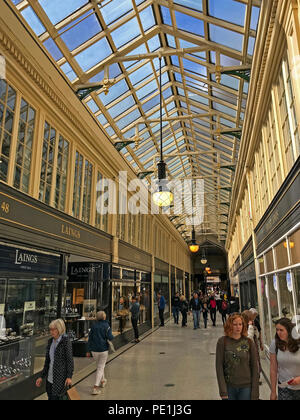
[59,364]
[98,347]
[184,307]
[175,307]
[196,308]
[135,313]
[161,302]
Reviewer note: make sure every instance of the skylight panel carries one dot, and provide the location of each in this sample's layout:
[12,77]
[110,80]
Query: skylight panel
[115,9]
[93,55]
[228,10]
[81,32]
[225,37]
[166,16]
[58,10]
[189,24]
[126,33]
[115,91]
[147,18]
[191,4]
[33,21]
[53,49]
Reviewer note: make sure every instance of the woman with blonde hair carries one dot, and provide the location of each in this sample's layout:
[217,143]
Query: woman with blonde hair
[98,348]
[236,362]
[59,364]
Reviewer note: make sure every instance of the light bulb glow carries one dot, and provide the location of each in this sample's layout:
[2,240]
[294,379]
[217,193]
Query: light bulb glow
[194,248]
[163,198]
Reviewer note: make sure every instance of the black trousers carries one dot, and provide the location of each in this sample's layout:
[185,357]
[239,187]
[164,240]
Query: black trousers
[184,318]
[205,314]
[213,315]
[51,396]
[135,328]
[161,316]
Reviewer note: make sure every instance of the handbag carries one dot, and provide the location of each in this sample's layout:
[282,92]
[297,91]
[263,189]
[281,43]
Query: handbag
[69,394]
[110,344]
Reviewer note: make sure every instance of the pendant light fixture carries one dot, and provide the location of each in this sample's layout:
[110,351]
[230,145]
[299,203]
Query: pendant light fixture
[193,246]
[163,196]
[203,258]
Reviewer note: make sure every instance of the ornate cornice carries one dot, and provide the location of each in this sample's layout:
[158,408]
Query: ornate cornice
[18,57]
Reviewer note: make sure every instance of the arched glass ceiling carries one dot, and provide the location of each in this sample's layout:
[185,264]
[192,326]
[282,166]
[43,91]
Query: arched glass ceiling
[84,36]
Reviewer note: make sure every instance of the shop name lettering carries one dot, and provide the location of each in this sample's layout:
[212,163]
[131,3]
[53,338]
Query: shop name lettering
[67,230]
[83,270]
[21,258]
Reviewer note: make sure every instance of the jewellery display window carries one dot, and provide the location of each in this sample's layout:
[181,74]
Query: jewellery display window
[27,307]
[122,292]
[297,288]
[83,299]
[265,300]
[161,284]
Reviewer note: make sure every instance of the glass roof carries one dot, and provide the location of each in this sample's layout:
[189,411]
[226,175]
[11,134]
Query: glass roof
[85,38]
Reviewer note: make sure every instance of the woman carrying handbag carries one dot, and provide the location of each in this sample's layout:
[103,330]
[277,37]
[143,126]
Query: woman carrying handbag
[98,345]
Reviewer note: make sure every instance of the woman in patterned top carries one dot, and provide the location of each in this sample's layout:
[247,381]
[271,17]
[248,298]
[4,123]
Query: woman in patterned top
[236,362]
[59,364]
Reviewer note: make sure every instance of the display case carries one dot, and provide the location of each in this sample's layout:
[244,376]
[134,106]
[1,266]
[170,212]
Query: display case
[86,293]
[15,360]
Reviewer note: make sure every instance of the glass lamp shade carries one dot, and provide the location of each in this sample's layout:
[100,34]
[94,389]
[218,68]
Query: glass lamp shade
[203,260]
[163,198]
[207,269]
[194,247]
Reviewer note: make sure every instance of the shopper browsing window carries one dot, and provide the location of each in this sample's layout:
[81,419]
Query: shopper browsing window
[98,347]
[59,364]
[236,362]
[285,362]
[135,313]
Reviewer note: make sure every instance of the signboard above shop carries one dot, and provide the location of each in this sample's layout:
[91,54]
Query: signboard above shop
[17,259]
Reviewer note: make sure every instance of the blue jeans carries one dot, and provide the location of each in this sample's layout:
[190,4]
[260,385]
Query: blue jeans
[196,317]
[176,314]
[239,394]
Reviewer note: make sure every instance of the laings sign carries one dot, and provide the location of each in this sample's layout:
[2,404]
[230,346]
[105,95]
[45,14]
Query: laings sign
[22,257]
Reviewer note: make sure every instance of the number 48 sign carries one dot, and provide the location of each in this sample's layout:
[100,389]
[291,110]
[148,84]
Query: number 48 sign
[5,207]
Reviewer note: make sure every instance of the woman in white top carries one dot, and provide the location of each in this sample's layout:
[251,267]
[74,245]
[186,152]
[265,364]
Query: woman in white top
[285,362]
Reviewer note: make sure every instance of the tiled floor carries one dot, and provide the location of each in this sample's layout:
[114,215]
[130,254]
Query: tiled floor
[173,363]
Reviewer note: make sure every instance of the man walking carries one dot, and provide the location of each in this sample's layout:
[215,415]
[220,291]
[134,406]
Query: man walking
[196,307]
[135,313]
[175,307]
[161,302]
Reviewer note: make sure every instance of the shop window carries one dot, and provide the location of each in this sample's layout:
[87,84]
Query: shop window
[272,288]
[265,301]
[121,294]
[24,147]
[286,295]
[7,113]
[297,287]
[282,260]
[269,261]
[27,306]
[261,265]
[294,241]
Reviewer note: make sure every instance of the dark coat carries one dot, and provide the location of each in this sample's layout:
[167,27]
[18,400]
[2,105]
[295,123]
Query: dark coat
[99,334]
[63,367]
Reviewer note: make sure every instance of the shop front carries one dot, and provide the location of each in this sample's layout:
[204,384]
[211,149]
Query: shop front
[247,278]
[278,254]
[37,244]
[162,286]
[31,285]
